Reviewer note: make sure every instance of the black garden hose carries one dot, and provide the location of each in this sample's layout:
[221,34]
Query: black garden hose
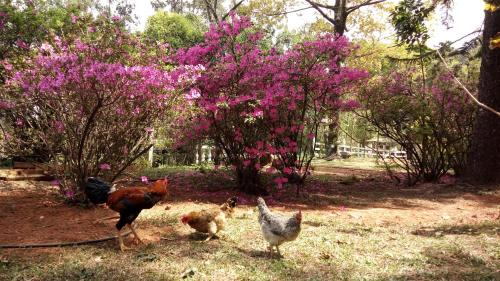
[61,244]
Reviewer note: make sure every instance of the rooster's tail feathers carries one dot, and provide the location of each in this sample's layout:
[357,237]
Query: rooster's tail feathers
[97,190]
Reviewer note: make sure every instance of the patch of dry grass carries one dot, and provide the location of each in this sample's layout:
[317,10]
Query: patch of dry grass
[329,248]
[422,239]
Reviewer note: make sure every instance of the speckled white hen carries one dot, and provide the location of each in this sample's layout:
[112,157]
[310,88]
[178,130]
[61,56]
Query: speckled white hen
[276,228]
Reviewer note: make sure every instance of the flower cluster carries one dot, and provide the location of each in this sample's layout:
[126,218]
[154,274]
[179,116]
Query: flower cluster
[93,101]
[255,102]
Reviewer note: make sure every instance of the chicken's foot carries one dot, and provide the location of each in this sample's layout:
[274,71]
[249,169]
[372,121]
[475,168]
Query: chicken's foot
[136,236]
[278,251]
[208,238]
[270,248]
[120,242]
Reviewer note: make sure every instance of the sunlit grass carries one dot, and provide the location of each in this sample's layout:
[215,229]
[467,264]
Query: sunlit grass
[333,244]
[329,248]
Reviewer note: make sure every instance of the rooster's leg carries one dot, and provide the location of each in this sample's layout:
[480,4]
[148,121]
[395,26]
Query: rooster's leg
[120,242]
[136,236]
[278,250]
[270,250]
[212,230]
[208,238]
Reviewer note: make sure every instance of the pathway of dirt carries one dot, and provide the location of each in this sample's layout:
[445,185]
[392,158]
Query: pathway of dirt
[33,212]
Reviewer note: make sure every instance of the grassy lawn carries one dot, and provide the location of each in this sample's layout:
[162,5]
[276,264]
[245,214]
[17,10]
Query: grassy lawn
[328,248]
[352,237]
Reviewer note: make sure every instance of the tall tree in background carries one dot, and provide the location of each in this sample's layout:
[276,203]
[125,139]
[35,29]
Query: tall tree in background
[212,10]
[177,30]
[341,10]
[484,159]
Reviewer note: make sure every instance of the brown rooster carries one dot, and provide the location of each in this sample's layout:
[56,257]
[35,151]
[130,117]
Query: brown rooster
[210,221]
[129,202]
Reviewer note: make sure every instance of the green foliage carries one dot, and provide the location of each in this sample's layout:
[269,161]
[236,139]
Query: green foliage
[408,19]
[264,13]
[177,30]
[26,26]
[433,124]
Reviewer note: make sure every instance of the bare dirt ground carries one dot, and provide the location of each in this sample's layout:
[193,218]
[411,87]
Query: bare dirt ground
[357,225]
[33,212]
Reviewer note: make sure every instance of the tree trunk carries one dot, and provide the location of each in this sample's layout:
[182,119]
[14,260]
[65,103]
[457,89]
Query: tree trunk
[249,181]
[333,126]
[332,135]
[484,160]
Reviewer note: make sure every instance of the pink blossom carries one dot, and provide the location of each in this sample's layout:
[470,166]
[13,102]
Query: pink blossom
[55,182]
[280,181]
[193,94]
[351,104]
[144,179]
[149,129]
[7,65]
[74,18]
[5,105]
[59,126]
[21,44]
[280,130]
[19,122]
[104,166]
[257,113]
[45,47]
[69,193]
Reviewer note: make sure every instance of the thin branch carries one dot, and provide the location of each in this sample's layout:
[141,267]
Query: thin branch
[465,88]
[289,12]
[211,10]
[426,54]
[367,3]
[232,9]
[329,7]
[317,7]
[86,132]
[130,162]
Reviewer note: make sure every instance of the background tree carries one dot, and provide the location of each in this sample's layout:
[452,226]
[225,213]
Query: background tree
[484,160]
[213,11]
[80,96]
[483,164]
[337,14]
[432,124]
[255,102]
[177,30]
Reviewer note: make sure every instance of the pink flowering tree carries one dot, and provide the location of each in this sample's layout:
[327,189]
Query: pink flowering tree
[92,102]
[433,125]
[308,85]
[225,96]
[254,102]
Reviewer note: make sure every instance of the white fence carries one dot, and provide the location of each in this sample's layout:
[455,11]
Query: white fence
[356,151]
